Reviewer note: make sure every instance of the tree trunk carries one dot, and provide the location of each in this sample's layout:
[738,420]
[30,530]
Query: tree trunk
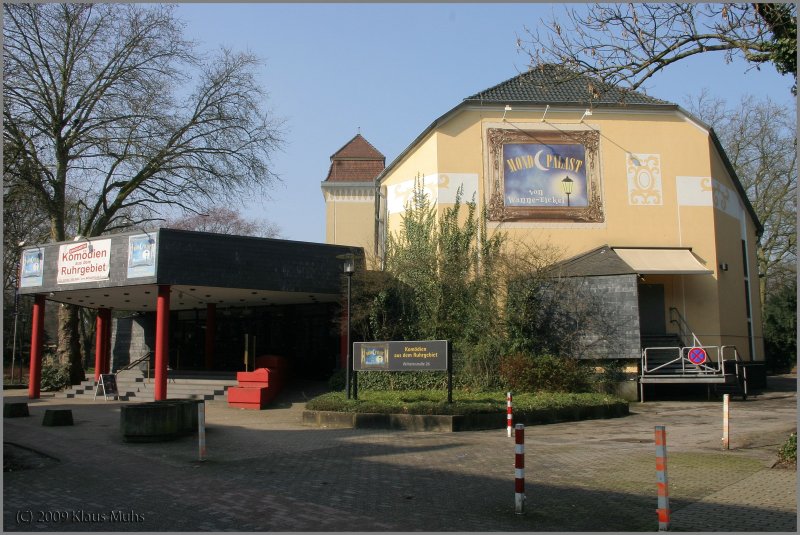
[69,348]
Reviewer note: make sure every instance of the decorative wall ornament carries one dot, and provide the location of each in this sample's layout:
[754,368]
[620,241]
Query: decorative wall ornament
[644,179]
[544,175]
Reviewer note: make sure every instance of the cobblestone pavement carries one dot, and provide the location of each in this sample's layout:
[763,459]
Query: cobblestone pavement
[267,472]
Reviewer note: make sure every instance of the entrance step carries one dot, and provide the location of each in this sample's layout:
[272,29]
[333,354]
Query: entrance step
[132,385]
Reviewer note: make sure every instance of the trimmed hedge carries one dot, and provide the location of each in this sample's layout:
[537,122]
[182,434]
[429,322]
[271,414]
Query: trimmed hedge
[464,403]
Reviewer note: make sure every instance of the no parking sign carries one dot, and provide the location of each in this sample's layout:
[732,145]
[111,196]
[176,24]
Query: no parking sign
[697,355]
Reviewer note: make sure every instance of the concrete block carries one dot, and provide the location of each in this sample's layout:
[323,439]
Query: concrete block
[15,410]
[57,417]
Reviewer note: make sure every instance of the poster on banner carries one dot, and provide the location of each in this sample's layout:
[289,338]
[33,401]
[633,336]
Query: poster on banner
[543,175]
[536,175]
[31,268]
[86,261]
[141,256]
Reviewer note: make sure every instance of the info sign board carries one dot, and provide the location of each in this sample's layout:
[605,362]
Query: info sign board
[411,356]
[421,356]
[86,261]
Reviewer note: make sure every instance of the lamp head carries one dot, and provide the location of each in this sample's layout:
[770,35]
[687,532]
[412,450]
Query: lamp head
[567,185]
[349,265]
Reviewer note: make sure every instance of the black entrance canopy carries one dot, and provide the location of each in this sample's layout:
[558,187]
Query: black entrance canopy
[123,271]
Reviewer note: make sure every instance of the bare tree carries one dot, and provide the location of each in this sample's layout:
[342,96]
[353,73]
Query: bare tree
[625,44]
[98,107]
[225,221]
[760,139]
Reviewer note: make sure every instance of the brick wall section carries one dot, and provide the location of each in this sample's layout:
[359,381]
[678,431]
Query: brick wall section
[616,334]
[131,337]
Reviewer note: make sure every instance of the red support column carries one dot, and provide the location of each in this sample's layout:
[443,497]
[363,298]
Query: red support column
[106,340]
[211,331]
[162,342]
[99,344]
[37,342]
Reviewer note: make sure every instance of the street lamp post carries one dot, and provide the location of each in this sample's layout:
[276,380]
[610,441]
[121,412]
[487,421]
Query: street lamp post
[567,185]
[16,311]
[349,269]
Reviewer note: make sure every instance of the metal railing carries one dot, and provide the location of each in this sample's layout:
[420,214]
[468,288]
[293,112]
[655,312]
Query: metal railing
[739,368]
[684,331]
[136,362]
[715,363]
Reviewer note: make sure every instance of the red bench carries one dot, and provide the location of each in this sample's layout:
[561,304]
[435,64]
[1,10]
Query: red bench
[259,387]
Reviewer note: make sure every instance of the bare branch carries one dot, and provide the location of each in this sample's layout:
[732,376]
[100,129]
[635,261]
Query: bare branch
[626,44]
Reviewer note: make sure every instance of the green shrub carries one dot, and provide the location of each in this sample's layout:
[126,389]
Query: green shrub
[55,375]
[392,381]
[337,380]
[788,452]
[544,373]
[612,373]
[464,402]
[516,372]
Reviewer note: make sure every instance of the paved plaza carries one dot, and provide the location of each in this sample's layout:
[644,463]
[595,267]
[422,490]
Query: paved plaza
[265,471]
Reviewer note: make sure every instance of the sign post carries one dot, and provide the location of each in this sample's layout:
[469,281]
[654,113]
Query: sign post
[414,356]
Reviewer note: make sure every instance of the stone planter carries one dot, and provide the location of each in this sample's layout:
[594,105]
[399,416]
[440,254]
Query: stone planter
[15,410]
[187,413]
[454,423]
[57,417]
[150,422]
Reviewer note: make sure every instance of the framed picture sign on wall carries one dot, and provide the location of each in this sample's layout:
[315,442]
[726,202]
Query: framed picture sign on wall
[544,175]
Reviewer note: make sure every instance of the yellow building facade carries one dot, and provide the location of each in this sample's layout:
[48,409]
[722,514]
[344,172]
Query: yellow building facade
[563,162]
[349,192]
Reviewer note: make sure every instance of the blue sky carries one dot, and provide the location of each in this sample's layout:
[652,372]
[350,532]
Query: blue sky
[390,70]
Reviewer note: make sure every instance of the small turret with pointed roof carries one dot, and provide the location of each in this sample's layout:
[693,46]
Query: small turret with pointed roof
[356,161]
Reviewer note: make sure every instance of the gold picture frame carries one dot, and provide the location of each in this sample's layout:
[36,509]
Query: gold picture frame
[581,171]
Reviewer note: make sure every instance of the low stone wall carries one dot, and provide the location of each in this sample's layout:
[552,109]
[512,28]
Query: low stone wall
[158,421]
[454,423]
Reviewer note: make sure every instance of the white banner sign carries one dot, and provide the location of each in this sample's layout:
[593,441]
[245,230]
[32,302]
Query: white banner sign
[84,261]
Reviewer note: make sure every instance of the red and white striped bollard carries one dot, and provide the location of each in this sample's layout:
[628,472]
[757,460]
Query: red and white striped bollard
[509,417]
[201,431]
[661,478]
[519,469]
[726,443]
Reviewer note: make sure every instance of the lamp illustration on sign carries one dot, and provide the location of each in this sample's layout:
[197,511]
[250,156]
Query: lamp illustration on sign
[566,186]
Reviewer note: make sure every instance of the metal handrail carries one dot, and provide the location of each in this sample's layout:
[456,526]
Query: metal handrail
[141,359]
[683,327]
[715,356]
[739,365]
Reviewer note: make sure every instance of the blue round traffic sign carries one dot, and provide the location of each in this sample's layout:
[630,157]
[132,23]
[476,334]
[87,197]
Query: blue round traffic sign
[697,355]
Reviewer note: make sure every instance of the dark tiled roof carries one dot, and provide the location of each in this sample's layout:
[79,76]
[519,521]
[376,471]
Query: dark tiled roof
[354,171]
[553,84]
[358,147]
[597,262]
[357,161]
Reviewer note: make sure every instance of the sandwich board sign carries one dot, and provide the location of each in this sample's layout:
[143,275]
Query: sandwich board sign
[108,382]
